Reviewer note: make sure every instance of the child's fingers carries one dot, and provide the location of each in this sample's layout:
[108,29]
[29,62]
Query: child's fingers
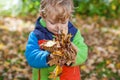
[74,47]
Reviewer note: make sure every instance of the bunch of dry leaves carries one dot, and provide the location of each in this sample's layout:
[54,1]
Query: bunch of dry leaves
[62,52]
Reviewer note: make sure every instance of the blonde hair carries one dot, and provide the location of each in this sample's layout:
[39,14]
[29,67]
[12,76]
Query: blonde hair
[56,10]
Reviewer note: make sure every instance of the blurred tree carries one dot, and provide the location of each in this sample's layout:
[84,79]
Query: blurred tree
[108,8]
[30,7]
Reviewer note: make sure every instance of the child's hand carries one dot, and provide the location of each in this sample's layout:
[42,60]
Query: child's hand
[73,45]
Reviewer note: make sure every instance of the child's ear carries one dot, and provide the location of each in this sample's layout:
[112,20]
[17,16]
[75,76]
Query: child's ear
[42,14]
[42,17]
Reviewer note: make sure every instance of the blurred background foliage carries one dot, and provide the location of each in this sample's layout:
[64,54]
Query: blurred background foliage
[107,8]
[98,21]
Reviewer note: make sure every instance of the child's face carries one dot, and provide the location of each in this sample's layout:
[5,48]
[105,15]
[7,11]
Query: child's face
[56,27]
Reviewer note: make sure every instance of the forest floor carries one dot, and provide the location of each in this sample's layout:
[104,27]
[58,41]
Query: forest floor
[100,34]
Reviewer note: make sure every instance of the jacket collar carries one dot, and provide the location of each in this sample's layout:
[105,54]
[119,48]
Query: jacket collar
[40,27]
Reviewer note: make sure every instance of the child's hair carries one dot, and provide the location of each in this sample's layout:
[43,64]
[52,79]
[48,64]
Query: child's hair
[56,10]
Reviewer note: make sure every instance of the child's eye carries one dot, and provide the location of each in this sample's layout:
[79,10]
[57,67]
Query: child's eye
[64,22]
[52,23]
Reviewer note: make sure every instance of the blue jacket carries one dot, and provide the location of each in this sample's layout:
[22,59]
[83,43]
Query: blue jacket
[37,58]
